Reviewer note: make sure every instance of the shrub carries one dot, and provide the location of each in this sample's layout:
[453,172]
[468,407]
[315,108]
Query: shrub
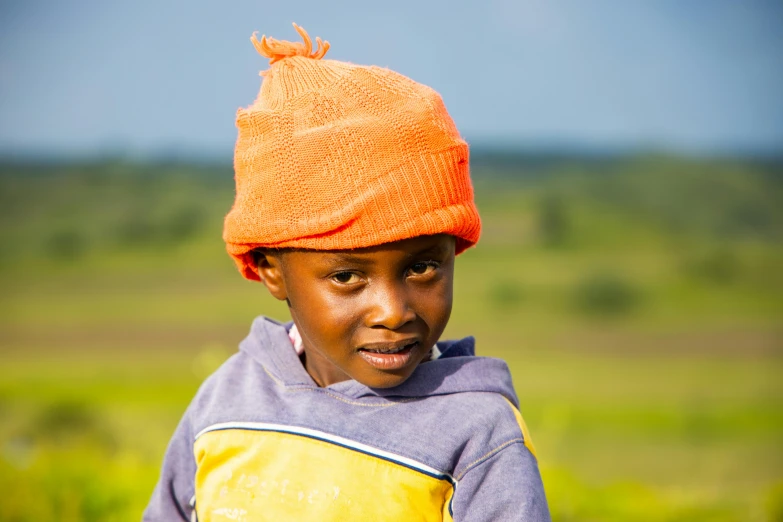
[66,245]
[606,293]
[553,222]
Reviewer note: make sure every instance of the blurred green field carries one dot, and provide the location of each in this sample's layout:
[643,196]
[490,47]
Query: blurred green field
[638,301]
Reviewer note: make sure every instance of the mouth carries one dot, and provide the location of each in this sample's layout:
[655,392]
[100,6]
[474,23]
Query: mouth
[389,356]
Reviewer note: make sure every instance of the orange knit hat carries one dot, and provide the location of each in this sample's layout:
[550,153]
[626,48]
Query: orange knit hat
[334,156]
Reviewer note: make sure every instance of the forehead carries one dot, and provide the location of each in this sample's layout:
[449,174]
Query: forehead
[440,245]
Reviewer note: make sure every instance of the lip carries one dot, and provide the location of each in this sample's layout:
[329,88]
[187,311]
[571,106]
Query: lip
[388,346]
[389,355]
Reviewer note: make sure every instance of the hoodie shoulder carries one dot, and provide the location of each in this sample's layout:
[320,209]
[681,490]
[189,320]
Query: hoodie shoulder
[493,422]
[223,396]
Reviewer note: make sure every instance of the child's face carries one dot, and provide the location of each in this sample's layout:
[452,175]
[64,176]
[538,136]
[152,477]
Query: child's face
[369,314]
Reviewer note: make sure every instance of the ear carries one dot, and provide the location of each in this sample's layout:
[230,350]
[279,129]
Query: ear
[270,270]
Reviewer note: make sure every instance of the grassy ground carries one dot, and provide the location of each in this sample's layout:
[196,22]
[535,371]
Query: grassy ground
[639,309]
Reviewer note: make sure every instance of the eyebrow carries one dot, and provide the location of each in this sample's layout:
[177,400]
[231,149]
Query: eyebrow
[432,250]
[345,257]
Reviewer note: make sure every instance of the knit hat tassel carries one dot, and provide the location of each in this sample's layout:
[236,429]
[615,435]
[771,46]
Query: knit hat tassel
[276,50]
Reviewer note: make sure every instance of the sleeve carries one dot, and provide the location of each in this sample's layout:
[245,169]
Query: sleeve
[172,498]
[504,485]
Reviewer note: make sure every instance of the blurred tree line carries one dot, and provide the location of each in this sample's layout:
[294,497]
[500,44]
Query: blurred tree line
[69,210]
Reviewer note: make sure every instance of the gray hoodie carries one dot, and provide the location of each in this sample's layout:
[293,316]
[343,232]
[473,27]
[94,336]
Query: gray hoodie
[261,441]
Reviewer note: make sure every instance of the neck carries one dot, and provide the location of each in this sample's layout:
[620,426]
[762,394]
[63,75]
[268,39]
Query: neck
[322,371]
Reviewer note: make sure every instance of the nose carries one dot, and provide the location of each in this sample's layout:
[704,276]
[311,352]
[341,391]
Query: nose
[389,307]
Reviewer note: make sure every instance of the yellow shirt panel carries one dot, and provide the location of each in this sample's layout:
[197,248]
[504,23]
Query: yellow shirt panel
[261,474]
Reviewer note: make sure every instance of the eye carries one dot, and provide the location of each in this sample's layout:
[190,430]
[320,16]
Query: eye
[345,278]
[422,268]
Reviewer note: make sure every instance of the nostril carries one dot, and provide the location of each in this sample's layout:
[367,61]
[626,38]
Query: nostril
[391,316]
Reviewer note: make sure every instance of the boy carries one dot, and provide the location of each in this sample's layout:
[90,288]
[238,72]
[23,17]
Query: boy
[353,198]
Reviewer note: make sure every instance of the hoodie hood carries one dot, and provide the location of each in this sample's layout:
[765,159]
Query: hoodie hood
[457,370]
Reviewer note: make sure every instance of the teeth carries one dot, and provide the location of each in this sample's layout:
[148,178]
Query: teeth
[396,350]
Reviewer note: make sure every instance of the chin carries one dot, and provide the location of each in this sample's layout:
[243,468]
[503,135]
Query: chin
[383,381]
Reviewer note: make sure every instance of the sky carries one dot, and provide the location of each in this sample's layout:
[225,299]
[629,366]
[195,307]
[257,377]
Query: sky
[159,77]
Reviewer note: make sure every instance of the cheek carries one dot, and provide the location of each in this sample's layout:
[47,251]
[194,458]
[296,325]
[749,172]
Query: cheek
[434,303]
[325,314]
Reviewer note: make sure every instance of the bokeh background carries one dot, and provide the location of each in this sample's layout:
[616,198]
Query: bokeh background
[628,165]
